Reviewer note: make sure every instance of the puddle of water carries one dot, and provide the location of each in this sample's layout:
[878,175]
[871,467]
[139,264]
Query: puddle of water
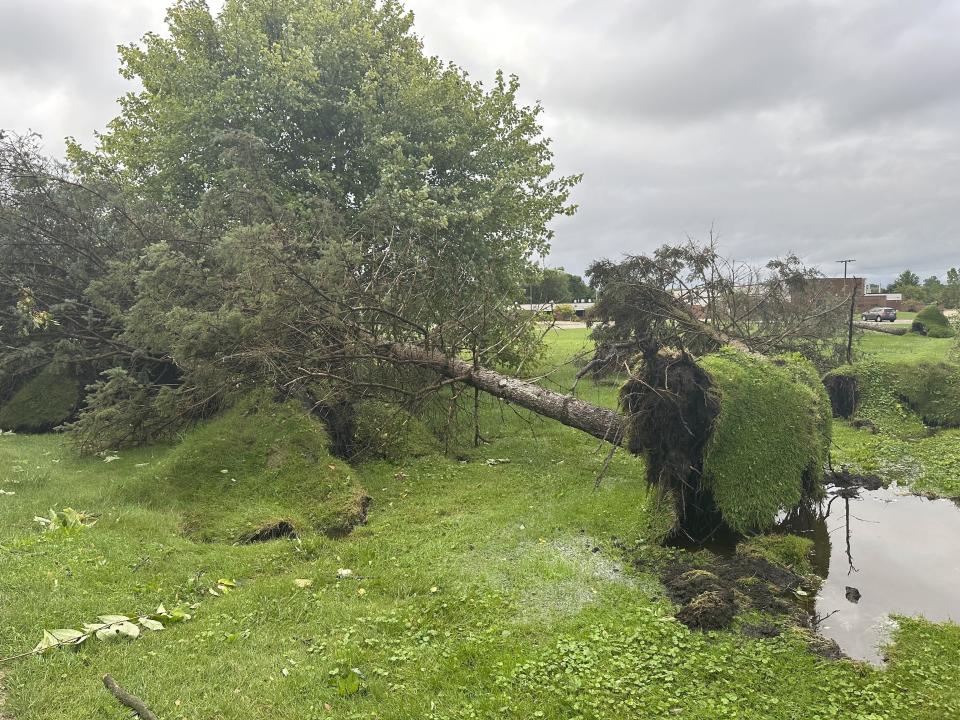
[898,554]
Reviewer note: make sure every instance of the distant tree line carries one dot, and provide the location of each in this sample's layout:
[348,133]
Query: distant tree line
[930,290]
[558,286]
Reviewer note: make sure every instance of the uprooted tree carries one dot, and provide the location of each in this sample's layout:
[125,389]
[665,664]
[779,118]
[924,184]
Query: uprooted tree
[280,207]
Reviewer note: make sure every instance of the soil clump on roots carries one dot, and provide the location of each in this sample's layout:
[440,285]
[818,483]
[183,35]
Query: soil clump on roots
[671,409]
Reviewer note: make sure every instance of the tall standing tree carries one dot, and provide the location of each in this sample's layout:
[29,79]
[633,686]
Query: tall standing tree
[906,279]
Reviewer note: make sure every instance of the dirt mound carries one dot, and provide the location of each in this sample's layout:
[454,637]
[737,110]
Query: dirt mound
[711,595]
[710,610]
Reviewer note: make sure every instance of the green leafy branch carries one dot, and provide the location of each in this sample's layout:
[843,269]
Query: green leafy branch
[66,519]
[108,627]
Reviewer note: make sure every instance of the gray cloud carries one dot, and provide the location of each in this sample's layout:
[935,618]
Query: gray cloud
[825,127]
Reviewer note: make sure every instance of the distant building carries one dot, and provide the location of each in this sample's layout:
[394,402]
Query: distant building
[580,307]
[868,295]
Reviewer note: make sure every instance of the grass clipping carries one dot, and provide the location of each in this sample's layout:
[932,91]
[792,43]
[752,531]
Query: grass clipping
[260,471]
[734,438]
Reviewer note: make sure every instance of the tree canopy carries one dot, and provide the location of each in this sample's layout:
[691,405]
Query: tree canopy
[295,179]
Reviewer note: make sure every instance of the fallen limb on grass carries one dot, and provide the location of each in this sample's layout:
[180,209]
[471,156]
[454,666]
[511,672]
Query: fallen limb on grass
[128,700]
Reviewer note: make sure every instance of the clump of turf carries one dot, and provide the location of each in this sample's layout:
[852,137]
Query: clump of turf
[735,437]
[260,471]
[47,400]
[771,440]
[791,551]
[897,397]
[933,323]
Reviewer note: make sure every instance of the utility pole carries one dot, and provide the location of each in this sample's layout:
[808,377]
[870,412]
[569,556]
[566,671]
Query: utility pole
[845,263]
[853,305]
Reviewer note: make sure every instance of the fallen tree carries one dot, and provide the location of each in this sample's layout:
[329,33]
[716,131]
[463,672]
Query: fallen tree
[732,438]
[600,422]
[881,328]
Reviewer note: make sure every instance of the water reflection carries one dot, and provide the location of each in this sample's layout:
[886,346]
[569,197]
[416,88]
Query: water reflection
[880,552]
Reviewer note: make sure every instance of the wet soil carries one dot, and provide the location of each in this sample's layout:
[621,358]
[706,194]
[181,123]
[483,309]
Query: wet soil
[711,590]
[878,551]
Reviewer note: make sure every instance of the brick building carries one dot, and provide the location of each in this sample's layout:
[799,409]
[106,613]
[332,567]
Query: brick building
[843,287]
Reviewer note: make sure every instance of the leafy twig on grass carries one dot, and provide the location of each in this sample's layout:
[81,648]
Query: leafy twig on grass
[109,627]
[128,700]
[66,519]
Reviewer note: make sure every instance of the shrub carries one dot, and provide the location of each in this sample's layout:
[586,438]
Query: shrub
[120,412]
[43,403]
[933,323]
[901,397]
[564,312]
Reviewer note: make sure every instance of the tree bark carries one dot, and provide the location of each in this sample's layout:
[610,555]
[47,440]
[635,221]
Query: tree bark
[882,328]
[603,423]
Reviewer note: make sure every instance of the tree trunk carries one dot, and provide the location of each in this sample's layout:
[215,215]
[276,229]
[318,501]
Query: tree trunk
[602,423]
[882,328]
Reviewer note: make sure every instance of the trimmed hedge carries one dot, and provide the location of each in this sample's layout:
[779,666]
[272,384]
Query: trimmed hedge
[43,403]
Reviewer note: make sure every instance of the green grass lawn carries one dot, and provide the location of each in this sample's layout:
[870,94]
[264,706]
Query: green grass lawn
[487,583]
[909,347]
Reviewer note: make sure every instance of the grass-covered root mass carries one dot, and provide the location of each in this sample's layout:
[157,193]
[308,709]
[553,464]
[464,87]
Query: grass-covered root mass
[904,421]
[47,400]
[259,471]
[731,434]
[771,440]
[897,397]
[933,323]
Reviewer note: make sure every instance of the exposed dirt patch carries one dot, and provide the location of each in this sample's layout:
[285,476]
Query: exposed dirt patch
[279,530]
[711,591]
[846,480]
[865,424]
[844,394]
[710,610]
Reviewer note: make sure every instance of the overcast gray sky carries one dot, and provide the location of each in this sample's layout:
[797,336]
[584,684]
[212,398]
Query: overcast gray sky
[827,127]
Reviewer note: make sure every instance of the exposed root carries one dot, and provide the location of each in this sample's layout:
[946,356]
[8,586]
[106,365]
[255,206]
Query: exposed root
[128,700]
[844,395]
[671,411]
